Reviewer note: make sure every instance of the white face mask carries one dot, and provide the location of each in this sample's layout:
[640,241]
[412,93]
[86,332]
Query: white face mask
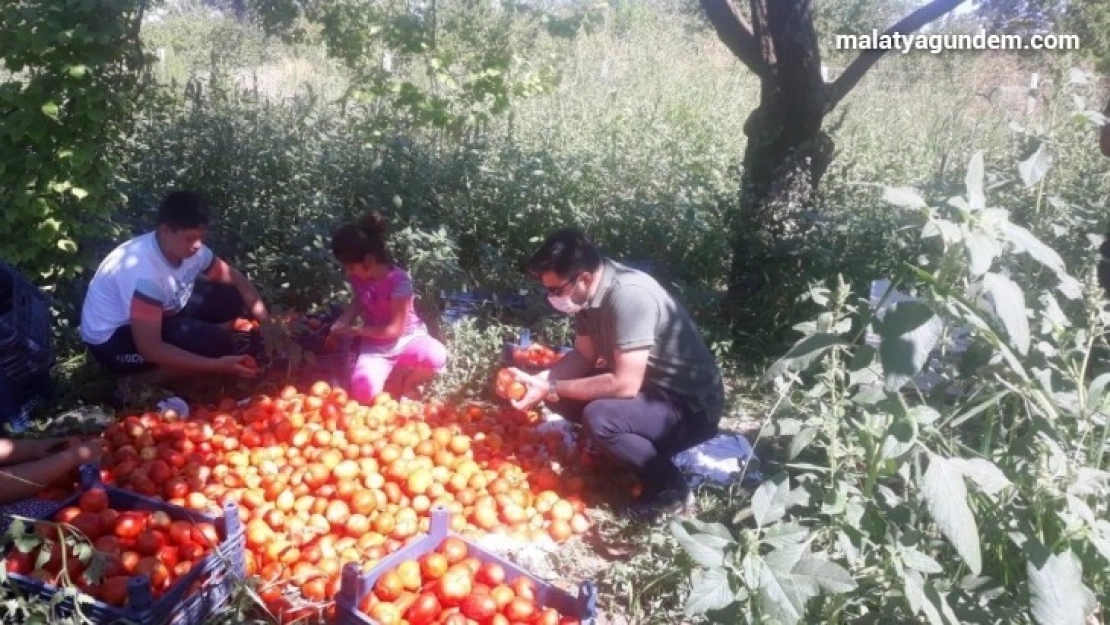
[564,304]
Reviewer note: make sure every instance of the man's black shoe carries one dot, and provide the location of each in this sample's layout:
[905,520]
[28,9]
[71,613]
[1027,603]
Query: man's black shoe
[652,507]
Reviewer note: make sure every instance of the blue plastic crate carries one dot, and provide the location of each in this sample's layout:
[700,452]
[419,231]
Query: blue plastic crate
[24,325]
[470,303]
[355,585]
[218,572]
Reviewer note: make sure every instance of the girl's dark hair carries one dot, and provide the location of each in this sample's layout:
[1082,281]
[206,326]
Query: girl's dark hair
[355,241]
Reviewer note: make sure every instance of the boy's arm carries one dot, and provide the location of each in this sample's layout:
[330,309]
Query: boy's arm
[220,271]
[146,327]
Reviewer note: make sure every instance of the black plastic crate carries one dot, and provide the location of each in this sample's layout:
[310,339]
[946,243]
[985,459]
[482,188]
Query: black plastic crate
[19,398]
[355,585]
[24,325]
[216,574]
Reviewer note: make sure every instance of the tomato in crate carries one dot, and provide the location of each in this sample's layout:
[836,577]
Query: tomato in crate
[443,578]
[158,564]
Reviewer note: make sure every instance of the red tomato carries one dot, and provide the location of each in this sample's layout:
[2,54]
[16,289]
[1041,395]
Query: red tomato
[93,500]
[130,525]
[520,609]
[425,609]
[206,535]
[491,574]
[88,523]
[21,563]
[150,542]
[524,587]
[114,590]
[480,607]
[455,585]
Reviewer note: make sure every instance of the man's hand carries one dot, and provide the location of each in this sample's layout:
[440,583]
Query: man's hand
[536,389]
[235,365]
[82,451]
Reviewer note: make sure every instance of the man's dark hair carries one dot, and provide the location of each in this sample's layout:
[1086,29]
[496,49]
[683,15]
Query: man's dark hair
[183,210]
[566,252]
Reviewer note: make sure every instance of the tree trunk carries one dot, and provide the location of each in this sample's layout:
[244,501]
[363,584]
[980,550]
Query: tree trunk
[776,211]
[787,151]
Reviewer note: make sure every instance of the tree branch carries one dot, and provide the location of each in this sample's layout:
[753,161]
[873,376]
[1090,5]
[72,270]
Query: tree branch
[855,71]
[735,32]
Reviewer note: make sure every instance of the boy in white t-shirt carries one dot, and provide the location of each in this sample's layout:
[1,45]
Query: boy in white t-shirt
[147,315]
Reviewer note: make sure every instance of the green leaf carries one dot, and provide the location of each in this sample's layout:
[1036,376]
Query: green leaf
[783,560]
[77,71]
[903,197]
[67,245]
[824,575]
[982,249]
[783,534]
[976,200]
[79,193]
[715,529]
[779,597]
[909,332]
[1008,301]
[986,475]
[1057,595]
[1034,168]
[945,496]
[1096,392]
[900,437]
[918,561]
[1026,242]
[50,110]
[710,590]
[800,441]
[915,590]
[803,354]
[771,499]
[706,555]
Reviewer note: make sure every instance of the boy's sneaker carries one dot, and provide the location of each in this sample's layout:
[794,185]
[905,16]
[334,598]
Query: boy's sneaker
[652,507]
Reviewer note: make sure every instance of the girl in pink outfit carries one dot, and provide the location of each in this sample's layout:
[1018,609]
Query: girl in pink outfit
[394,340]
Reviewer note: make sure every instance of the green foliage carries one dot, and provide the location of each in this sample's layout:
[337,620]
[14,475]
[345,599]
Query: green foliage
[955,472]
[474,355]
[450,65]
[70,87]
[1088,19]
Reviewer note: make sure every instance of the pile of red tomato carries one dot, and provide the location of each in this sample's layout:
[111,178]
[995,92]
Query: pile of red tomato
[322,480]
[535,356]
[127,543]
[450,586]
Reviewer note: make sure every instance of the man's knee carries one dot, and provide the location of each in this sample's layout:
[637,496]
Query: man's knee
[198,337]
[604,417]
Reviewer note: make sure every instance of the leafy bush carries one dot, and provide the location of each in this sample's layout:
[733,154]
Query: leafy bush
[991,380]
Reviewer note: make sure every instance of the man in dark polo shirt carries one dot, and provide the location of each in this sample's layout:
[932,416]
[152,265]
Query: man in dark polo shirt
[640,379]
